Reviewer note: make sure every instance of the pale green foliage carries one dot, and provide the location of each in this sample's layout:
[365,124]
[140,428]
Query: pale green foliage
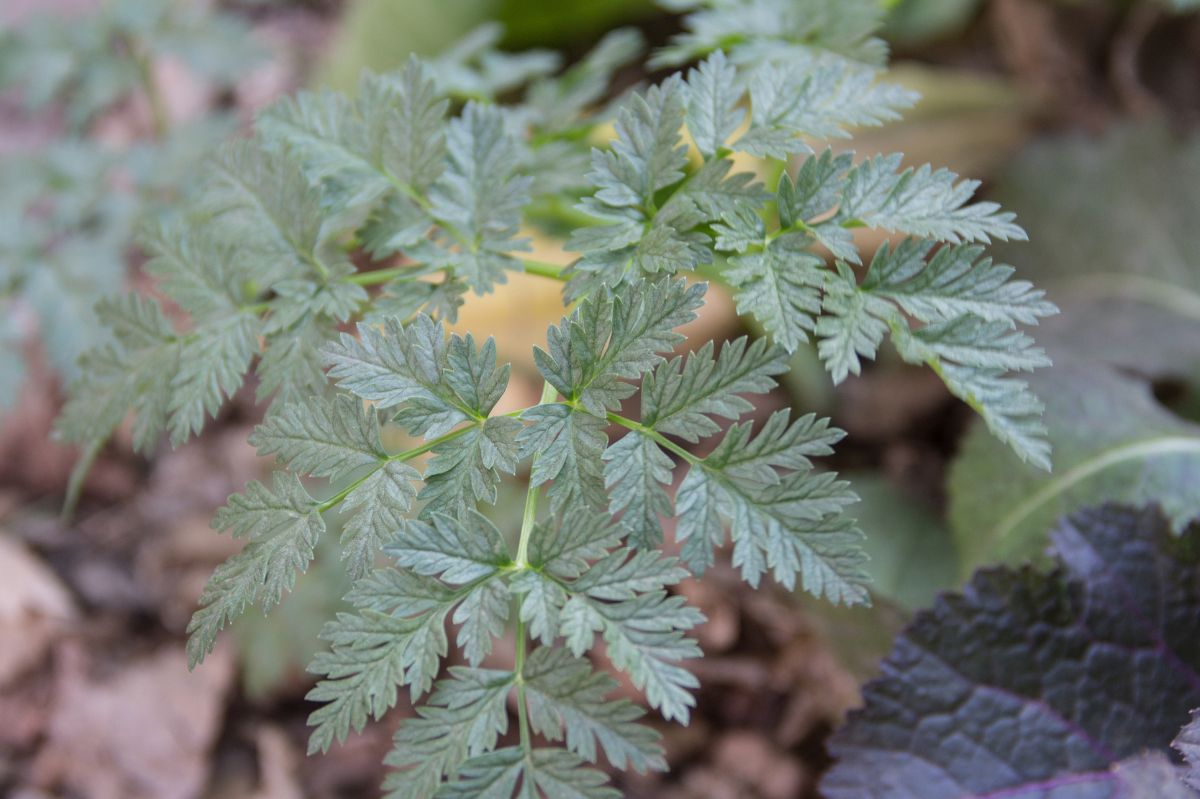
[970,308]
[783,516]
[323,438]
[796,28]
[12,367]
[552,772]
[590,356]
[426,178]
[567,697]
[781,286]
[80,60]
[794,100]
[282,525]
[920,202]
[778,275]
[391,139]
[70,207]
[621,595]
[461,721]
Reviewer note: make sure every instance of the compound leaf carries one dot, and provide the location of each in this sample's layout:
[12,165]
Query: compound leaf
[479,198]
[607,341]
[463,719]
[570,447]
[397,637]
[439,382]
[679,397]
[564,550]
[645,638]
[282,524]
[713,95]
[818,99]
[555,772]
[790,521]
[921,202]
[456,550]
[465,470]
[567,697]
[636,472]
[377,511]
[781,287]
[323,437]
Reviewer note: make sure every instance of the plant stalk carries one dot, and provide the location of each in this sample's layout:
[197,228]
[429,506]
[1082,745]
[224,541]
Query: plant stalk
[159,117]
[406,455]
[374,278]
[522,561]
[531,497]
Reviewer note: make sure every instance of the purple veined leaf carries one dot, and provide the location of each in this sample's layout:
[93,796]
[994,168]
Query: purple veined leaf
[1032,684]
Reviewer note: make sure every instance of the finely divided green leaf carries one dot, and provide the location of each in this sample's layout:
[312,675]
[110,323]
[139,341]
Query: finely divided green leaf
[789,521]
[437,382]
[645,639]
[554,772]
[922,202]
[479,198]
[457,550]
[679,397]
[397,637]
[465,470]
[712,103]
[463,719]
[781,286]
[567,697]
[322,437]
[607,341]
[818,99]
[971,309]
[569,445]
[390,139]
[282,524]
[636,474]
[376,511]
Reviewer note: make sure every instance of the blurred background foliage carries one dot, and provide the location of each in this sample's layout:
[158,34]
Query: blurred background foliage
[377,34]
[1080,115]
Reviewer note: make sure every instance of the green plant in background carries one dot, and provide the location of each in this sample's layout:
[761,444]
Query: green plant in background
[1068,683]
[1129,287]
[69,209]
[379,35]
[431,204]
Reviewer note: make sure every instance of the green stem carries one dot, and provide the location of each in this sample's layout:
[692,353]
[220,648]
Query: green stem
[657,437]
[255,309]
[145,73]
[378,276]
[713,274]
[806,380]
[406,455]
[374,278]
[79,474]
[522,710]
[522,562]
[545,269]
[531,496]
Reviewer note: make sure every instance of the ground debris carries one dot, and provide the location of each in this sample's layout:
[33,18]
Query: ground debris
[144,731]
